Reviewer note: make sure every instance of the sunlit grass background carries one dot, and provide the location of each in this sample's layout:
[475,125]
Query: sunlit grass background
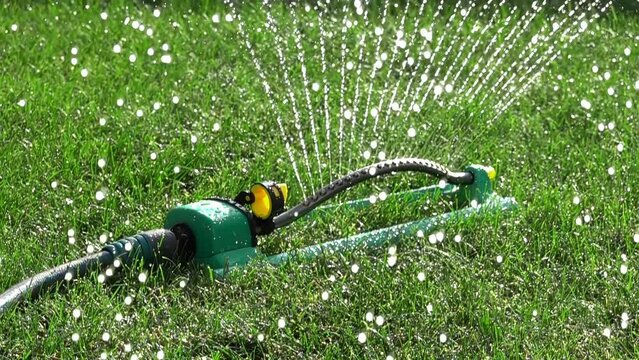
[551,280]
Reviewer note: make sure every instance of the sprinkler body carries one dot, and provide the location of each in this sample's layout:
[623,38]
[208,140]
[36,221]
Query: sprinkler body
[222,233]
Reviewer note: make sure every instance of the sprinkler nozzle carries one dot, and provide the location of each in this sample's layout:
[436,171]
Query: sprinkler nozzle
[268,199]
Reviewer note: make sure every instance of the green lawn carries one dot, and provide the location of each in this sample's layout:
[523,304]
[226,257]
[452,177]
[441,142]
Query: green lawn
[554,279]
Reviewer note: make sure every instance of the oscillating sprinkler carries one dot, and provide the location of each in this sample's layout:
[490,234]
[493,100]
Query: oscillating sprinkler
[222,233]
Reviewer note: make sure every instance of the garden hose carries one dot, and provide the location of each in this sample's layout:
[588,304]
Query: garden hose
[221,233]
[365,173]
[149,246]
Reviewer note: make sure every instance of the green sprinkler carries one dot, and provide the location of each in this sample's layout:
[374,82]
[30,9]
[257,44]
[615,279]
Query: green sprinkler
[222,233]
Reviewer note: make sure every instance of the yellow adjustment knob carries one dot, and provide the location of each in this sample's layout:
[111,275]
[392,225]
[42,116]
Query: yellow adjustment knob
[269,199]
[492,174]
[284,188]
[262,206]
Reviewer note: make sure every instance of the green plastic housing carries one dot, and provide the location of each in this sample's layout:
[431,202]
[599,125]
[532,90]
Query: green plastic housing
[223,236]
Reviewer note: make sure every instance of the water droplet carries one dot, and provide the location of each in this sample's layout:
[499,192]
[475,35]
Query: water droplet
[576,200]
[175,99]
[611,171]
[71,233]
[84,73]
[68,276]
[607,332]
[378,31]
[586,104]
[315,87]
[583,25]
[128,300]
[354,268]
[457,238]
[626,51]
[176,169]
[381,155]
[77,313]
[156,13]
[106,336]
[215,18]
[142,277]
[166,59]
[193,139]
[160,355]
[150,51]
[120,102]
[153,156]
[14,27]
[379,320]
[75,337]
[99,195]
[361,337]
[132,58]
[325,295]
[101,163]
[383,195]
[421,276]
[432,238]
[216,127]
[635,238]
[443,338]
[90,249]
[372,170]
[260,337]
[228,17]
[623,269]
[534,313]
[119,317]
[22,103]
[347,114]
[611,91]
[101,278]
[595,69]
[426,34]
[499,259]
[392,260]
[281,323]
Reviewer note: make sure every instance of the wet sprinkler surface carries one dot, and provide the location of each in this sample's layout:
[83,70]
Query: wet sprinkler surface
[110,115]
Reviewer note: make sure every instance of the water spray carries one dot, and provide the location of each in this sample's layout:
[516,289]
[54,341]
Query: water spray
[222,233]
